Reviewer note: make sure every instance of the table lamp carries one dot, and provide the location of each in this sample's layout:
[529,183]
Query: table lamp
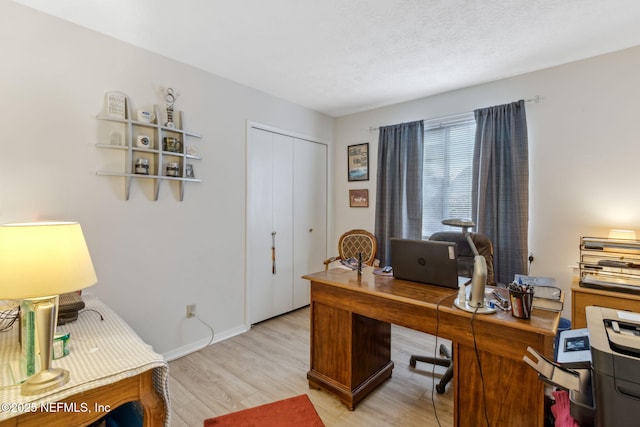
[622,234]
[38,262]
[479,277]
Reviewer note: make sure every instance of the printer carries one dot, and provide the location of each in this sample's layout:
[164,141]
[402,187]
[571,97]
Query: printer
[606,393]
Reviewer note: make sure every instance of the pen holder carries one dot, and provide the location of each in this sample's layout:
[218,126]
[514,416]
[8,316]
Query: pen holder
[521,303]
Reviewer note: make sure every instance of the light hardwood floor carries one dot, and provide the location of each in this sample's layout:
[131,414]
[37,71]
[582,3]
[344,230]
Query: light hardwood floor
[270,363]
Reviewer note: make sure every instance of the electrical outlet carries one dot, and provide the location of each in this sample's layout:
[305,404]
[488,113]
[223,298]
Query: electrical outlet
[191,310]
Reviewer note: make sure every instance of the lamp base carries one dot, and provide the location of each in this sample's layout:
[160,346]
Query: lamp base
[464,305]
[45,380]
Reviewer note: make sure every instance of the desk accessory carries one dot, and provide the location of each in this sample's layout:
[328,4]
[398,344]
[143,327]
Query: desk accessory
[546,295]
[521,298]
[476,303]
[610,263]
[39,261]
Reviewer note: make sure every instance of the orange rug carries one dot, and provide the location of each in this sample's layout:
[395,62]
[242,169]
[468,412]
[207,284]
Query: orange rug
[292,412]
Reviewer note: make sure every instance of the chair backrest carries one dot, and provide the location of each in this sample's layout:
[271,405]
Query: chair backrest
[354,242]
[465,254]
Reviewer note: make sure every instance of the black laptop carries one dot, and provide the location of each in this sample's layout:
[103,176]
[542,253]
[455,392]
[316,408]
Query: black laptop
[426,261]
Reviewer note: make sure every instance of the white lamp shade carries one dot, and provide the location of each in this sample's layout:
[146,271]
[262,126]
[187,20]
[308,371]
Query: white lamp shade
[43,258]
[622,234]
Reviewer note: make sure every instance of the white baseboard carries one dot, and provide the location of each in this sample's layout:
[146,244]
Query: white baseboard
[200,344]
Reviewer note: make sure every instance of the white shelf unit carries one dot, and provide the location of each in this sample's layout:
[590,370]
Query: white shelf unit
[157,155]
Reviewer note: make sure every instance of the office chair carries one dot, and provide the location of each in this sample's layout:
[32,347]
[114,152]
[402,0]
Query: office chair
[352,244]
[465,268]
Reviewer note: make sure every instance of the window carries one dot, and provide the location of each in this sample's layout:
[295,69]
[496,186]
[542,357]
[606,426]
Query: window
[447,169]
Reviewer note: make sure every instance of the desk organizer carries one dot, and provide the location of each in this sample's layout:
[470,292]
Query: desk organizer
[612,264]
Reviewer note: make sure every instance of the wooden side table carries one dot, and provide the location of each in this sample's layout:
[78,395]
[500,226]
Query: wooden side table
[582,297]
[109,366]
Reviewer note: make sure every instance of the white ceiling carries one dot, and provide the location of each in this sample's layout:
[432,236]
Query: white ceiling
[344,56]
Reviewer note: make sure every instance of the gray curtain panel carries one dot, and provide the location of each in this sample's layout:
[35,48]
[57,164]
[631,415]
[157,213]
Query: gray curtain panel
[500,203]
[399,185]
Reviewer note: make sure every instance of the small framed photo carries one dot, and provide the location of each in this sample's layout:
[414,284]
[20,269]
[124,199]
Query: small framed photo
[188,171]
[359,198]
[116,105]
[358,162]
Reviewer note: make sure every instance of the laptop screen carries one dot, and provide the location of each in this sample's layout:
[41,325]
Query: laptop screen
[425,261]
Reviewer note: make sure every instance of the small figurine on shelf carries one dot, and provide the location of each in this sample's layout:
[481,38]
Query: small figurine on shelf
[173,169]
[172,145]
[142,166]
[170,96]
[188,172]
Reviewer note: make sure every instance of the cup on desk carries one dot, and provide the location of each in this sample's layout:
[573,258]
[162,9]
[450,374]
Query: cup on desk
[521,299]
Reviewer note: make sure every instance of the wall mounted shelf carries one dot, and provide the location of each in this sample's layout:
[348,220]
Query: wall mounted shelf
[164,146]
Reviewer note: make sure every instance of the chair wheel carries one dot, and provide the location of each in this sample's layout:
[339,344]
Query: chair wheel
[412,362]
[440,388]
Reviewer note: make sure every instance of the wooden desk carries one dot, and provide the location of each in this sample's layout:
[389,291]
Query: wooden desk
[109,365]
[351,345]
[582,297]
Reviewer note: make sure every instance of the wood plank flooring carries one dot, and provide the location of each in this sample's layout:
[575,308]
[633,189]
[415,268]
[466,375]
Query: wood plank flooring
[270,363]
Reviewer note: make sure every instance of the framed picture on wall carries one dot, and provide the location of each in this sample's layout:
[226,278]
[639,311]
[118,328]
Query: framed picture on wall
[359,198]
[358,162]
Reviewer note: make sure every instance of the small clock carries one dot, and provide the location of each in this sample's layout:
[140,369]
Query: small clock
[143,141]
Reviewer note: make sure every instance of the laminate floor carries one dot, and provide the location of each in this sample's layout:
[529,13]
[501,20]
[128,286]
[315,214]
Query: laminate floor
[270,363]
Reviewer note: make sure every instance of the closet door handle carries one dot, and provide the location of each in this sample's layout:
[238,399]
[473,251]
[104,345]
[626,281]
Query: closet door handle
[273,252]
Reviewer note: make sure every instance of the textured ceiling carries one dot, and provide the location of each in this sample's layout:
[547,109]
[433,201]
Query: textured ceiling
[344,56]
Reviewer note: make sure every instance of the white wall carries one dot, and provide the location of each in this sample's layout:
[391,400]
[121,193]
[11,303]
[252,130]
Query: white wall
[584,152]
[151,257]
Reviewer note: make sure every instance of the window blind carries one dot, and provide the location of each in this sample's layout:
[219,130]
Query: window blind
[447,170]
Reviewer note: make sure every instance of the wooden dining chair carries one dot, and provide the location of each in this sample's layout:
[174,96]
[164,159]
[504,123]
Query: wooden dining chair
[352,244]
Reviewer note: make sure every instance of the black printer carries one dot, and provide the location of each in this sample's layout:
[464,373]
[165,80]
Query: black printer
[615,365]
[606,392]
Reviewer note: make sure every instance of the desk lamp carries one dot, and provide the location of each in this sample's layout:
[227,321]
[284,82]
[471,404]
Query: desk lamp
[39,261]
[479,279]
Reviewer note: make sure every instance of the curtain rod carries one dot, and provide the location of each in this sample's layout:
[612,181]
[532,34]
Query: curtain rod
[452,118]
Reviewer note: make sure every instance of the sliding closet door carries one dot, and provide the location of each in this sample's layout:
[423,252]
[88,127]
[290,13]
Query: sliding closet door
[310,214]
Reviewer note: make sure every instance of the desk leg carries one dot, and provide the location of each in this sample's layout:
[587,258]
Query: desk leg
[512,392]
[350,353]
